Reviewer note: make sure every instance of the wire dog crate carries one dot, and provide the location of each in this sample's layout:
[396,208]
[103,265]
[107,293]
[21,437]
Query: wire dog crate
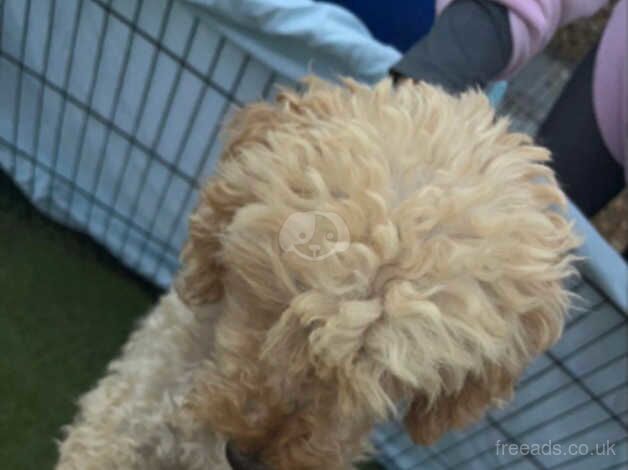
[110,115]
[117,108]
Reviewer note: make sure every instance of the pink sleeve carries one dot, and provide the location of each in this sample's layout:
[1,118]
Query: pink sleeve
[534,22]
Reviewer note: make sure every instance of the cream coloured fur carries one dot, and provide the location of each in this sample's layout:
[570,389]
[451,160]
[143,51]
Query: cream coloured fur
[450,283]
[133,419]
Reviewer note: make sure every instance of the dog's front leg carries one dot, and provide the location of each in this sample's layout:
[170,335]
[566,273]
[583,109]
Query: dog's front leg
[133,418]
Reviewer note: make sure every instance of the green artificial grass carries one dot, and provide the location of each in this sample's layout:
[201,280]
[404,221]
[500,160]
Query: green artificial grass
[66,308]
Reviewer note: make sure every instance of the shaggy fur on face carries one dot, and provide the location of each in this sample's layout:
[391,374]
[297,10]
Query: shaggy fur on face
[437,279]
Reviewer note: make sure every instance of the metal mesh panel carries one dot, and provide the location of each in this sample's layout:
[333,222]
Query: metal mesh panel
[116,110]
[533,91]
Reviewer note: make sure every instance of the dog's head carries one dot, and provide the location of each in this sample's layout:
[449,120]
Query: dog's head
[373,251]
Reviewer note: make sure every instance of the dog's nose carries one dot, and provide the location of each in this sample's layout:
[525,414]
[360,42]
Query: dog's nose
[239,461]
[314,248]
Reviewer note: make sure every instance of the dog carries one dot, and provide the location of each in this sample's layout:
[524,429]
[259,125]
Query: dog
[361,253]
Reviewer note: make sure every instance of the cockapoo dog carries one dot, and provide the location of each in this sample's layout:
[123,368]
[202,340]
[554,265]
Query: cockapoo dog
[359,251]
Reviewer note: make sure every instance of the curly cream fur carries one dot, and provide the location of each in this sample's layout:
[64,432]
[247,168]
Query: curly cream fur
[450,284]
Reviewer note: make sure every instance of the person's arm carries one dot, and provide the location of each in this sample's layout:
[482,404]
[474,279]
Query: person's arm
[533,23]
[475,41]
[468,45]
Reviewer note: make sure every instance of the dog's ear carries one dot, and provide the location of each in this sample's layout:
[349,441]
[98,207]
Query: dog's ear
[490,385]
[199,280]
[428,422]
